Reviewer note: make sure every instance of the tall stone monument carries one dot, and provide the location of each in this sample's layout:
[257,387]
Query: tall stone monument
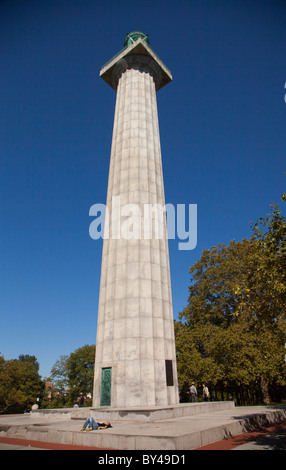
[135,362]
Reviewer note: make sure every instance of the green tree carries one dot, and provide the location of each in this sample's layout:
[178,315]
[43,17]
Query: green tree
[59,375]
[233,329]
[20,383]
[80,370]
[74,374]
[193,363]
[267,288]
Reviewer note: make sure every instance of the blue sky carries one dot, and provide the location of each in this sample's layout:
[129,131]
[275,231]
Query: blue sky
[222,126]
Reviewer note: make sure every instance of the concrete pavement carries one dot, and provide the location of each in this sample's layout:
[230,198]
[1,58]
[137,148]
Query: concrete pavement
[271,441]
[270,437]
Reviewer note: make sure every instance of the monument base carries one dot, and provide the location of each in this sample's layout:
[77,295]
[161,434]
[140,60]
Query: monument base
[135,414]
[205,423]
[157,413]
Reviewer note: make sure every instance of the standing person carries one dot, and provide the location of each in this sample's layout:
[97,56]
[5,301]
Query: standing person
[81,400]
[206,393]
[193,393]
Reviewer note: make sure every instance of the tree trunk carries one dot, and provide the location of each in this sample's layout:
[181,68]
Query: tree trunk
[264,389]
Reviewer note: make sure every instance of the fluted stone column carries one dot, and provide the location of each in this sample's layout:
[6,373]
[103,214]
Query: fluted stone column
[135,349]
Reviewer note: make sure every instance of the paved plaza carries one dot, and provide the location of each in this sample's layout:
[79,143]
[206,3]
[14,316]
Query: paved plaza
[171,434]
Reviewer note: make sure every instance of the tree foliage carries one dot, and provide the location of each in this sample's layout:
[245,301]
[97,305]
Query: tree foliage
[20,383]
[233,330]
[72,374]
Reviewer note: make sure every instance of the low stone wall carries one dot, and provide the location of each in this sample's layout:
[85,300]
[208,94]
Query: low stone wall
[147,414]
[57,413]
[158,413]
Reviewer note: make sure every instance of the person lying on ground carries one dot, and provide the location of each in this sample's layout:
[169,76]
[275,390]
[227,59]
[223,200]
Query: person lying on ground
[91,425]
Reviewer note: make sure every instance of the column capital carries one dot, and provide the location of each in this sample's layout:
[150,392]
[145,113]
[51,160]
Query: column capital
[136,56]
